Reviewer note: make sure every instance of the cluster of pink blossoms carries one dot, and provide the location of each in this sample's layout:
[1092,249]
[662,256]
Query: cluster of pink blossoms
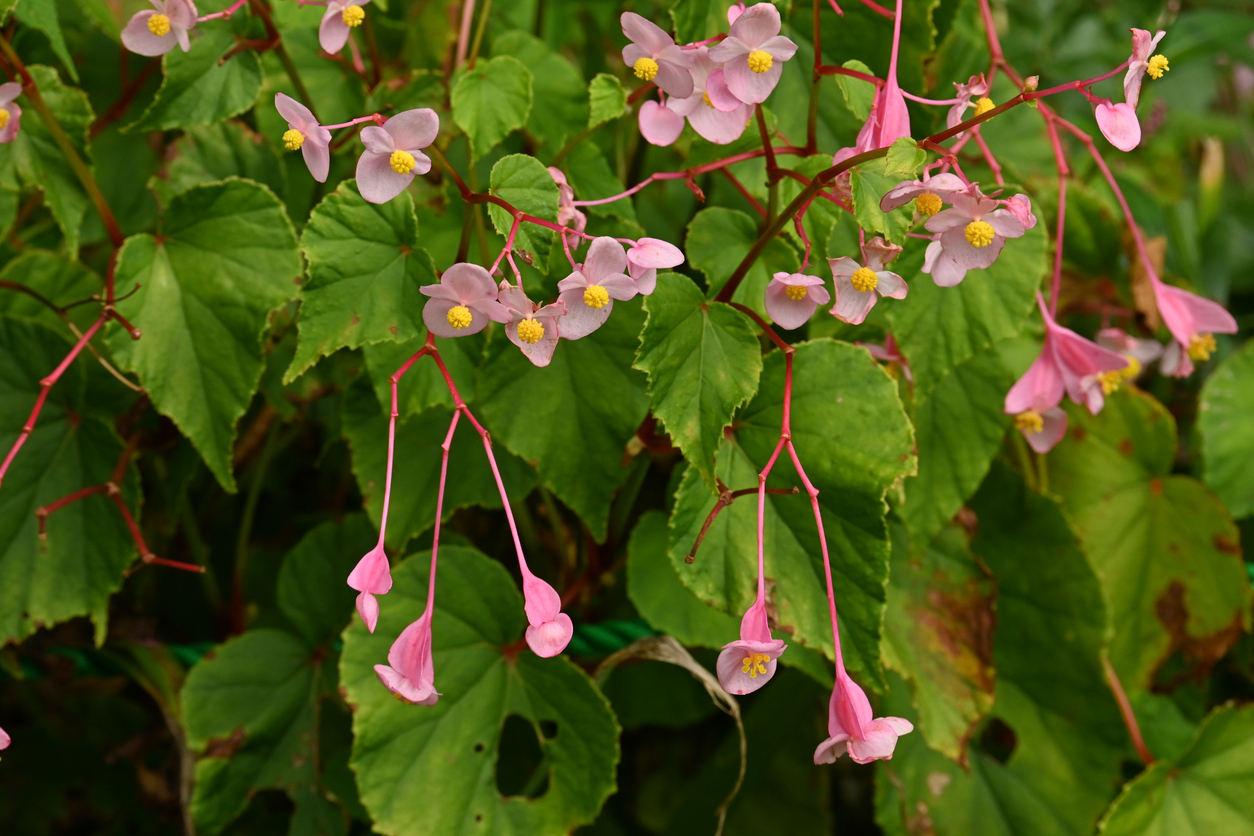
[714,87]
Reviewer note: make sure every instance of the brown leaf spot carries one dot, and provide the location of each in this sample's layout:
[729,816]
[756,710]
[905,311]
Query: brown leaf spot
[1200,652]
[1142,288]
[1078,432]
[225,747]
[1227,546]
[356,318]
[1156,487]
[1125,447]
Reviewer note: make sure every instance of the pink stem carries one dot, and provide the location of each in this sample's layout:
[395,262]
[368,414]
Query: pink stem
[387,481]
[509,248]
[836,8]
[892,61]
[988,156]
[878,9]
[706,42]
[225,13]
[463,33]
[44,386]
[827,563]
[377,118]
[1060,160]
[922,100]
[358,64]
[439,510]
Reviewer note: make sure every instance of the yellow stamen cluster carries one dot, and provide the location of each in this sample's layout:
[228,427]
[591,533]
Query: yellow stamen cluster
[1133,369]
[983,105]
[645,69]
[760,61]
[705,97]
[1201,347]
[459,316]
[928,203]
[1030,421]
[1156,66]
[864,280]
[755,664]
[293,139]
[4,118]
[796,292]
[402,161]
[596,296]
[354,15]
[979,233]
[159,25]
[1110,381]
[530,331]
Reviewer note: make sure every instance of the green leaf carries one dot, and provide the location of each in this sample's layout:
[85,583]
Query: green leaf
[938,633]
[559,86]
[939,328]
[1205,790]
[215,152]
[1225,422]
[591,178]
[1052,772]
[573,418]
[453,744]
[227,256]
[525,184]
[57,279]
[416,474]
[250,711]
[365,268]
[905,159]
[853,449]
[73,571]
[607,100]
[1164,546]
[42,15]
[696,20]
[203,86]
[312,590]
[492,100]
[703,361]
[40,162]
[960,427]
[858,94]
[718,239]
[867,187]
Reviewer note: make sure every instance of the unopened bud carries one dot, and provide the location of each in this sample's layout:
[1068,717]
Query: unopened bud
[1029,84]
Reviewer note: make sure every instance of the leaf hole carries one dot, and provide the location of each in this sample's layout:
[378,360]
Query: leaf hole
[999,740]
[522,769]
[479,748]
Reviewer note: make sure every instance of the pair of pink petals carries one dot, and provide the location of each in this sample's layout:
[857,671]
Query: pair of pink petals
[852,727]
[746,665]
[180,15]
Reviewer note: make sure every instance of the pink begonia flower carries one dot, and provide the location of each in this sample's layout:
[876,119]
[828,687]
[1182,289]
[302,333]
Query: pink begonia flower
[653,56]
[1068,363]
[791,298]
[852,727]
[734,11]
[1119,124]
[589,292]
[532,328]
[340,16]
[1140,63]
[646,257]
[890,354]
[859,286]
[746,665]
[10,113]
[1193,321]
[659,124]
[550,629]
[1139,353]
[753,53]
[154,33]
[410,671]
[306,135]
[888,121]
[463,302]
[928,195]
[975,88]
[970,235]
[371,576]
[393,155]
[567,214]
[715,114]
[5,740]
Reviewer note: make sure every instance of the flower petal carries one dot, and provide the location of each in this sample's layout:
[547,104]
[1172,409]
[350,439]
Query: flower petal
[1119,125]
[581,319]
[645,32]
[606,257]
[139,39]
[758,24]
[377,140]
[377,181]
[551,637]
[317,159]
[412,130]
[660,125]
[748,86]
[333,31]
[673,79]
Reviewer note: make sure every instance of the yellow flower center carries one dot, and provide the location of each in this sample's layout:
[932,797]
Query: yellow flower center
[1157,66]
[760,61]
[1110,381]
[402,161]
[1030,421]
[755,664]
[530,331]
[864,280]
[979,233]
[596,296]
[795,292]
[159,25]
[928,203]
[4,118]
[1202,346]
[983,105]
[459,316]
[354,15]
[645,69]
[293,139]
[705,97]
[1132,370]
